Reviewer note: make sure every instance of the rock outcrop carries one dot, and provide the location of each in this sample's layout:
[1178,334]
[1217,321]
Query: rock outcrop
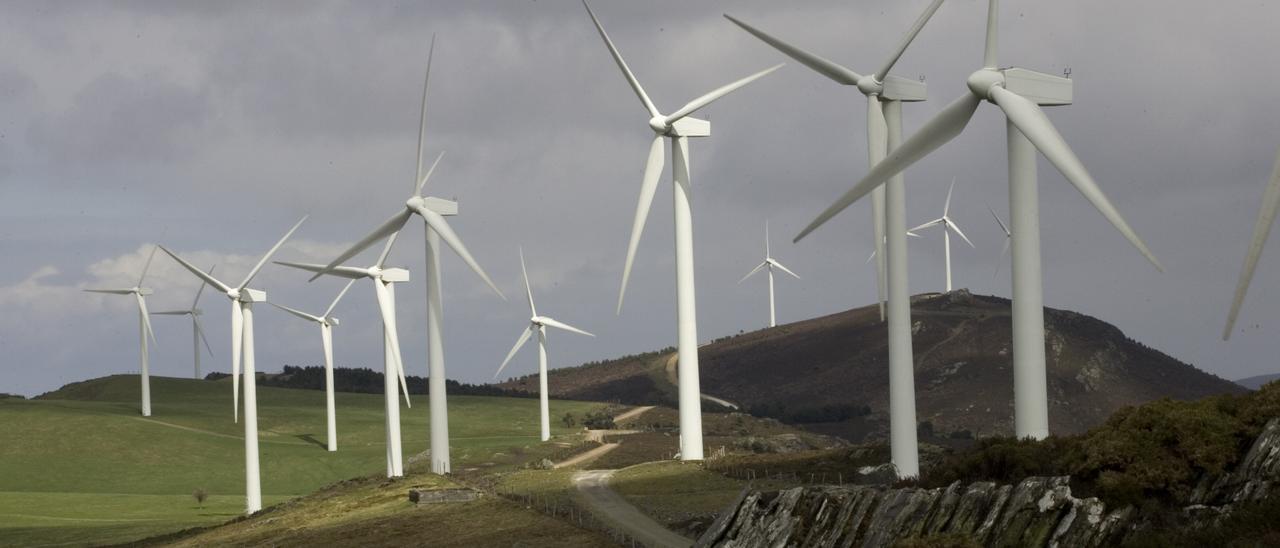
[1038,511]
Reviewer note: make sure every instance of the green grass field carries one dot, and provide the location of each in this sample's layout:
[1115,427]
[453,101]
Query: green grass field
[88,469]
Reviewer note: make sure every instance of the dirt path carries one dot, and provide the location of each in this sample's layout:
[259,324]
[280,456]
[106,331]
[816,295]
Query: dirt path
[598,436]
[609,506]
[586,456]
[632,413]
[674,379]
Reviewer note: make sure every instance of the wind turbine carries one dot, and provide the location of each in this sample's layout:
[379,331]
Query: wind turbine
[393,366]
[242,301]
[1008,236]
[144,328]
[769,264]
[433,211]
[678,127]
[538,324]
[1266,217]
[948,226]
[197,331]
[885,94]
[1019,93]
[326,322]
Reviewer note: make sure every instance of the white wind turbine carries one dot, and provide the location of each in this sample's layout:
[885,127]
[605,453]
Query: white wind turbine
[769,264]
[326,322]
[393,366]
[433,211]
[1266,217]
[144,328]
[1019,94]
[1008,236]
[678,127]
[885,94]
[242,301]
[948,226]
[538,324]
[197,330]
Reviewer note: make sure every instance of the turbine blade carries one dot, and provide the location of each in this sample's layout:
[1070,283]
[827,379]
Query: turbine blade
[993,31]
[626,71]
[1266,217]
[561,325]
[387,228]
[200,291]
[271,252]
[199,273]
[1032,122]
[999,222]
[422,120]
[297,312]
[528,291]
[386,249]
[110,291]
[753,271]
[945,126]
[200,331]
[785,269]
[524,337]
[950,224]
[717,93]
[350,272]
[906,40]
[334,304]
[147,267]
[422,180]
[946,207]
[648,186]
[385,308]
[870,257]
[934,222]
[766,238]
[823,66]
[237,341]
[146,318]
[1004,251]
[437,223]
[171,313]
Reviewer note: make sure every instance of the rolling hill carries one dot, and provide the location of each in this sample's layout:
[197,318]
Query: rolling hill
[80,466]
[1256,382]
[831,373]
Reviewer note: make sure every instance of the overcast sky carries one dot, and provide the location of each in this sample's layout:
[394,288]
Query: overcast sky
[212,127]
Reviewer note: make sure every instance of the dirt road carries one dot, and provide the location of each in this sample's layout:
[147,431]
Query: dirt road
[609,506]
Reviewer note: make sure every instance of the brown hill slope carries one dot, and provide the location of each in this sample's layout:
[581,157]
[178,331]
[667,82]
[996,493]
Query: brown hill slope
[826,372]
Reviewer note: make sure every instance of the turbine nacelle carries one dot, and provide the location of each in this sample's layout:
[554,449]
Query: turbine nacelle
[1038,87]
[248,295]
[439,205]
[687,126]
[389,275]
[144,291]
[331,321]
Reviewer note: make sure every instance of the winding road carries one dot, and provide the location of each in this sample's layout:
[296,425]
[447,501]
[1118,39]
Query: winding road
[611,507]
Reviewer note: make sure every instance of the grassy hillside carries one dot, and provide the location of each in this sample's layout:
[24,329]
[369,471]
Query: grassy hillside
[80,465]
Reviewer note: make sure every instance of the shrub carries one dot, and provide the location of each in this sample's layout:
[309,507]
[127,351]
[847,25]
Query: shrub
[200,495]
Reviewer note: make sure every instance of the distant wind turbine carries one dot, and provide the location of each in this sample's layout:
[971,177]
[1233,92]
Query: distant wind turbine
[433,211]
[393,366]
[678,127]
[144,328]
[326,322]
[769,264]
[538,324]
[1008,237]
[197,330]
[1266,217]
[1019,94]
[242,300]
[948,226]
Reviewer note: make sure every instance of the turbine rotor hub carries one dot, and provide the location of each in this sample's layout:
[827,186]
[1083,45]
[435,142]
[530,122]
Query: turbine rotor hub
[659,124]
[414,202]
[868,85]
[981,82]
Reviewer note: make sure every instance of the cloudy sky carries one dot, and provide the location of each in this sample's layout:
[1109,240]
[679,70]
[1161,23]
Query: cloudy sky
[212,127]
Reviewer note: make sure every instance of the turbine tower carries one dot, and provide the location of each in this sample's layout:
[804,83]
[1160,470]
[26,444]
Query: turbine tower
[678,127]
[197,330]
[538,324]
[948,226]
[1019,93]
[326,322]
[433,211]
[242,301]
[769,264]
[885,94]
[393,366]
[144,328]
[1266,217]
